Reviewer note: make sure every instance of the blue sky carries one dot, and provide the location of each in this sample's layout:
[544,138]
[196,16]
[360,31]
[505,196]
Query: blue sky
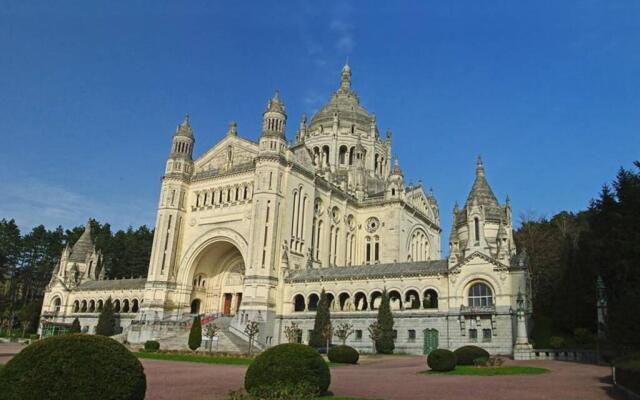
[91,92]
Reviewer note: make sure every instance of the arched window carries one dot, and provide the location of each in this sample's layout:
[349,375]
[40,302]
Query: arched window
[55,306]
[480,294]
[411,300]
[430,299]
[361,301]
[313,302]
[92,306]
[125,306]
[195,306]
[76,306]
[395,300]
[298,303]
[134,305]
[345,304]
[116,306]
[100,305]
[83,306]
[376,299]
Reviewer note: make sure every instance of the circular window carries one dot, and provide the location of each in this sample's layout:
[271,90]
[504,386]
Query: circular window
[372,224]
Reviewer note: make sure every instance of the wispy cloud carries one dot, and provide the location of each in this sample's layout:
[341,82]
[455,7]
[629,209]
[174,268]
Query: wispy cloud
[344,30]
[32,202]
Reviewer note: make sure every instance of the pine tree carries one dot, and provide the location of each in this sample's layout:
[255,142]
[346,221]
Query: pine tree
[385,344]
[322,321]
[195,335]
[107,320]
[75,326]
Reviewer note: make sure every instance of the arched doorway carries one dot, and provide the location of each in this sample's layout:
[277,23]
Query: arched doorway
[217,279]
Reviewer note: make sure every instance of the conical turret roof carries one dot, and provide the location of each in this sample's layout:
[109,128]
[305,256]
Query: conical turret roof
[481,192]
[184,128]
[83,247]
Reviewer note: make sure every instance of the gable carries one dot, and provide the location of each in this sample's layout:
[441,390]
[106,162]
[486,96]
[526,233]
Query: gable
[478,258]
[230,151]
[418,199]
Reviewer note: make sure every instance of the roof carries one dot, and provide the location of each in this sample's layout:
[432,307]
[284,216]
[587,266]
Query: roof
[481,191]
[370,271]
[83,247]
[184,128]
[115,284]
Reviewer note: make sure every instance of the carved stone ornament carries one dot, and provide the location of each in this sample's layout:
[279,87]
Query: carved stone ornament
[373,224]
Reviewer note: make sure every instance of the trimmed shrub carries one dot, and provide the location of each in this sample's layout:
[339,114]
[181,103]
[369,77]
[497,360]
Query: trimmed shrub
[441,360]
[107,320]
[151,345]
[195,335]
[322,320]
[344,354]
[385,345]
[75,326]
[92,367]
[466,354]
[556,342]
[287,365]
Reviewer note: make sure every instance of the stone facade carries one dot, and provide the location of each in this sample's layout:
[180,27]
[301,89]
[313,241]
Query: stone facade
[257,230]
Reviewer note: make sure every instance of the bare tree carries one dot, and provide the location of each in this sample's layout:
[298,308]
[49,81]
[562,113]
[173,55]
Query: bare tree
[343,331]
[292,332]
[327,334]
[211,330]
[251,330]
[375,333]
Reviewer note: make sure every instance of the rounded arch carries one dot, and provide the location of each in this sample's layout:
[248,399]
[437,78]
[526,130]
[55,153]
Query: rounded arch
[201,244]
[195,306]
[430,298]
[395,299]
[92,306]
[99,305]
[299,303]
[480,294]
[360,301]
[411,298]
[125,306]
[313,302]
[116,306]
[76,306]
[83,306]
[462,287]
[344,301]
[375,297]
[135,305]
[55,304]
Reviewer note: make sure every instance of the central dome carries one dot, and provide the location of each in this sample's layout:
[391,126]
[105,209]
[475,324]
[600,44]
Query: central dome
[345,105]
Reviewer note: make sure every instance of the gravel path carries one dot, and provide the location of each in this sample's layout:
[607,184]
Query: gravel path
[393,378]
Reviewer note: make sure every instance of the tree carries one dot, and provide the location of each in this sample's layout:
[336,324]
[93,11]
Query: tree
[195,334]
[323,318]
[385,344]
[211,330]
[107,320]
[343,331]
[75,326]
[293,332]
[327,334]
[251,330]
[375,332]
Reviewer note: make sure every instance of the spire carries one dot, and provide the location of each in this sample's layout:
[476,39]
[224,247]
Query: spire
[184,128]
[274,118]
[346,77]
[275,104]
[83,246]
[233,129]
[396,167]
[481,193]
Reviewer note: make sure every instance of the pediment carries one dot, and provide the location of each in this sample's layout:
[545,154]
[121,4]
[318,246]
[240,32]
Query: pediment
[476,255]
[230,151]
[302,156]
[418,199]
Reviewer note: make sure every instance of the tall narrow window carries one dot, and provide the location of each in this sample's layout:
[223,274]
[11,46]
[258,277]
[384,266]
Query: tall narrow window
[476,223]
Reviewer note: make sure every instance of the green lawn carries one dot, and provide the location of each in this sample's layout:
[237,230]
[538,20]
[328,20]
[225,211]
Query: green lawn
[195,358]
[490,371]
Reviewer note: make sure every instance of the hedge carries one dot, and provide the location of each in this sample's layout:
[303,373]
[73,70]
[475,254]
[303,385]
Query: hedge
[628,372]
[343,354]
[287,365]
[75,366]
[441,360]
[151,345]
[467,354]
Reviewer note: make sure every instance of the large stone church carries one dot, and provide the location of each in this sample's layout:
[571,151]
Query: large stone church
[254,231]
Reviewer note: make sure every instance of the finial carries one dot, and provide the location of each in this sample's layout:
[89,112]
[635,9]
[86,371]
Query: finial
[303,119]
[507,199]
[346,77]
[276,97]
[456,207]
[185,121]
[479,167]
[389,133]
[233,129]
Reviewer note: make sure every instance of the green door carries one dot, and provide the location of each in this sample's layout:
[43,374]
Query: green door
[430,341]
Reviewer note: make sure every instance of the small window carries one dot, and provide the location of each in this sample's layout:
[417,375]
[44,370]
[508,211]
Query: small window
[473,335]
[486,335]
[395,334]
[358,334]
[412,335]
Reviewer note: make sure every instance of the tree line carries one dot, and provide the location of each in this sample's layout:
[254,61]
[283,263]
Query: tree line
[567,254]
[27,262]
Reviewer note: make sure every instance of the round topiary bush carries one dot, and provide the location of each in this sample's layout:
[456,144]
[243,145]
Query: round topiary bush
[343,354]
[441,360]
[73,367]
[466,354]
[287,365]
[151,345]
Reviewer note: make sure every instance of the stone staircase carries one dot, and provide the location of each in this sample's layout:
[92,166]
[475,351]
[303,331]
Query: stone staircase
[227,341]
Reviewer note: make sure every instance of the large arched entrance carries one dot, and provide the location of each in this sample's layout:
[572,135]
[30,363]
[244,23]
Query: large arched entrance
[217,280]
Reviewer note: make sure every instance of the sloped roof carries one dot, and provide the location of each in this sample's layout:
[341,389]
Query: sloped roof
[481,191]
[370,271]
[83,247]
[115,284]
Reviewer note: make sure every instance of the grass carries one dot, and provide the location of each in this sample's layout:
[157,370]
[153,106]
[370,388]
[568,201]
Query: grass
[198,358]
[490,371]
[205,359]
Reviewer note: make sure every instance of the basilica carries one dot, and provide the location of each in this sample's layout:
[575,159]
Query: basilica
[254,231]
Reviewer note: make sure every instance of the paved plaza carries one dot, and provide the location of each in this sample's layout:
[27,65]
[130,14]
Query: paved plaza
[391,378]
